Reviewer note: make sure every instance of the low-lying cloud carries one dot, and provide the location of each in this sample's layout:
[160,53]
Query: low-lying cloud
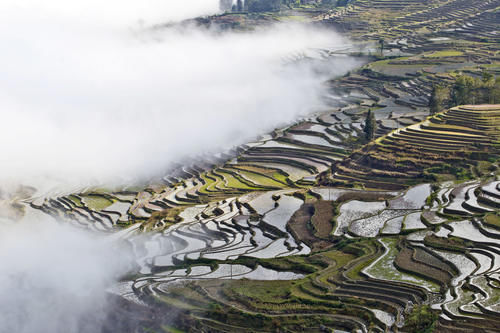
[89,95]
[53,277]
[104,14]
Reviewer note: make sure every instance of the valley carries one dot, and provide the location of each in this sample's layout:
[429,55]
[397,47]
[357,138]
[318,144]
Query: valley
[323,225]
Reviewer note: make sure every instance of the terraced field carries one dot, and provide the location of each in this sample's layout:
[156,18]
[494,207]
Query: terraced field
[385,253]
[429,245]
[401,19]
[451,142]
[312,227]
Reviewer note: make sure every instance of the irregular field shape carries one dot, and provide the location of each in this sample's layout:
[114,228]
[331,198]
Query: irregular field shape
[383,268]
[354,210]
[369,227]
[412,222]
[261,273]
[414,198]
[280,216]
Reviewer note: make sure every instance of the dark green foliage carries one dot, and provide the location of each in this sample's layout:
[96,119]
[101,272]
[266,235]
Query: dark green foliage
[370,126]
[344,243]
[381,43]
[493,88]
[433,101]
[462,90]
[468,90]
[421,319]
[445,168]
[485,76]
[433,197]
[437,100]
[299,195]
[460,172]
[263,5]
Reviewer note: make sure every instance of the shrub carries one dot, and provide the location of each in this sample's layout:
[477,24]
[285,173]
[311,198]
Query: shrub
[421,319]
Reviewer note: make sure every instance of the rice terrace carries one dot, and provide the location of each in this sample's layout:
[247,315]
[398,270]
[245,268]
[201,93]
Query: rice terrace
[349,186]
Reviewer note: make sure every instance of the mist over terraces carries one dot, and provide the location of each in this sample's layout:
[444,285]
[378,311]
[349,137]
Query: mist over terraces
[319,166]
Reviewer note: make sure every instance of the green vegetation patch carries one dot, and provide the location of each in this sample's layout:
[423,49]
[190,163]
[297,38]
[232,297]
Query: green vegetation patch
[276,292]
[95,202]
[294,18]
[444,53]
[259,179]
[493,220]
[171,329]
[384,267]
[421,319]
[76,200]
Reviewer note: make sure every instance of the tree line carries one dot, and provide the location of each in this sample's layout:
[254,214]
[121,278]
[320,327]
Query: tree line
[465,90]
[272,5]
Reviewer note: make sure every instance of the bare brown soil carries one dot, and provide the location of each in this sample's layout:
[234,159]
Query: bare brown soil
[322,218]
[300,227]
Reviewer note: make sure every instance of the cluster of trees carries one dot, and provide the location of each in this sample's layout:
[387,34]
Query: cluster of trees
[252,5]
[297,3]
[466,90]
[271,5]
[263,5]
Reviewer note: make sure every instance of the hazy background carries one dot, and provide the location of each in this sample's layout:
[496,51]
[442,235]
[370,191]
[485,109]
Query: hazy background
[90,94]
[53,277]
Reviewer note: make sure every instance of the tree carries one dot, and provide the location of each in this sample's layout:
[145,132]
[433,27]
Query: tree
[488,84]
[381,43]
[467,90]
[370,125]
[434,103]
[438,96]
[463,91]
[486,76]
[495,92]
